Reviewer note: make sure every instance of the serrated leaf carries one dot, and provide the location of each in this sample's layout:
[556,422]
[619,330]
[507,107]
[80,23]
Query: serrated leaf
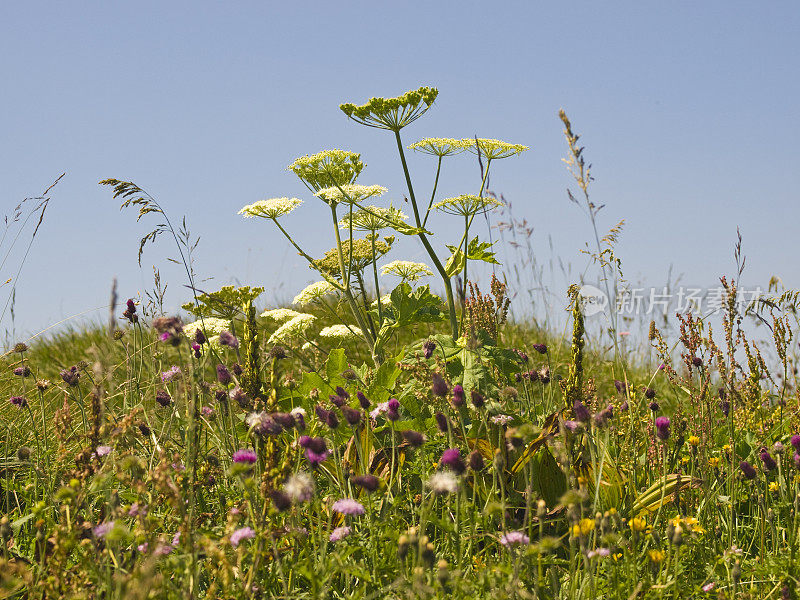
[477,250]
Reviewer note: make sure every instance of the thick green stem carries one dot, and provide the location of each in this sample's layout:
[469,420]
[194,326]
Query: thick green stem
[448,288]
[347,293]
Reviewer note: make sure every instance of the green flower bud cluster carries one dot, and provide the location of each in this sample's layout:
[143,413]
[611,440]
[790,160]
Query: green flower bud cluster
[328,168]
[360,258]
[392,113]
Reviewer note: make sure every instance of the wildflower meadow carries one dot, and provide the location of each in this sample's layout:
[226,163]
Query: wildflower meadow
[395,431]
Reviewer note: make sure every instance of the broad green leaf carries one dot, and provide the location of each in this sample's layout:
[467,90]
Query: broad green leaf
[337,363]
[455,264]
[477,250]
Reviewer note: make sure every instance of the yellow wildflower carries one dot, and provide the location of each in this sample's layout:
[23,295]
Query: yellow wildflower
[637,524]
[693,440]
[713,461]
[773,486]
[656,556]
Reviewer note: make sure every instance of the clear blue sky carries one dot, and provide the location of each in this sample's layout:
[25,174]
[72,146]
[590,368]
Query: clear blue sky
[689,111]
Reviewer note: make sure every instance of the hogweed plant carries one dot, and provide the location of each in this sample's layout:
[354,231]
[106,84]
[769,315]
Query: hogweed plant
[331,176]
[411,449]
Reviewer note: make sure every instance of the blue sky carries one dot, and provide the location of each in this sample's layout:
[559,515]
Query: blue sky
[688,111]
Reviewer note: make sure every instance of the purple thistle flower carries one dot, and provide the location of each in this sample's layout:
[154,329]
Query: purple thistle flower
[285,420]
[767,460]
[427,348]
[441,422]
[103,451]
[163,398]
[514,538]
[475,461]
[332,420]
[226,338]
[352,416]
[747,470]
[393,409]
[796,460]
[439,386]
[620,385]
[19,401]
[170,375]
[540,348]
[315,458]
[245,533]
[165,337]
[581,412]
[368,482]
[451,458]
[196,349]
[649,393]
[200,337]
[363,401]
[478,400]
[223,375]
[269,426]
[795,442]
[245,455]
[572,426]
[654,406]
[71,376]
[130,311]
[662,428]
[459,396]
[339,533]
[322,413]
[348,506]
[697,361]
[22,372]
[101,530]
[316,444]
[237,369]
[414,438]
[337,401]
[342,393]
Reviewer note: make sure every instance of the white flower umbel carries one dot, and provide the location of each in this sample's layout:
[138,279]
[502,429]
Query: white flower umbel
[406,270]
[350,192]
[315,291]
[466,205]
[340,332]
[212,326]
[386,300]
[270,209]
[292,329]
[493,149]
[280,315]
[441,146]
[374,218]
